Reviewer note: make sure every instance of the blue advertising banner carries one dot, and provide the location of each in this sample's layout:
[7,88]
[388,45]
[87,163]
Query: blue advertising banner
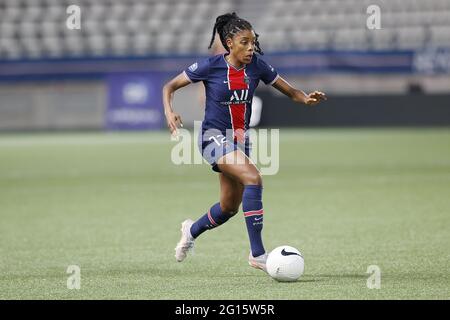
[429,61]
[134,102]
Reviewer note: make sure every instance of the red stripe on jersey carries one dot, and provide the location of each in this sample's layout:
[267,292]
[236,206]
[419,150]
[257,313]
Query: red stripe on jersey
[238,120]
[236,81]
[236,78]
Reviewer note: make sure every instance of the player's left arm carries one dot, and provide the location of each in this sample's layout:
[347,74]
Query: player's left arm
[297,95]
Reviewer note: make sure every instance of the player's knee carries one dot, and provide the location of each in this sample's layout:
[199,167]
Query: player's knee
[253,178]
[233,212]
[230,209]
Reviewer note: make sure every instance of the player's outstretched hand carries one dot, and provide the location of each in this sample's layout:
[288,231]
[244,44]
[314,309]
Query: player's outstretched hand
[173,122]
[314,98]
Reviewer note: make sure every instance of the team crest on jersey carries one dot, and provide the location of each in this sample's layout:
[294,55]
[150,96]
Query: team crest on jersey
[193,67]
[247,80]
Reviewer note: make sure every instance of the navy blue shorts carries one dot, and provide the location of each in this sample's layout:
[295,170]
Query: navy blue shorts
[213,145]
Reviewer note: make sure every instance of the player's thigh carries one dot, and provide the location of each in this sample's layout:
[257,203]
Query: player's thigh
[230,193]
[239,167]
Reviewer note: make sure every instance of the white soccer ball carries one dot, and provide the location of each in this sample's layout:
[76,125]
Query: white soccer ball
[285,264]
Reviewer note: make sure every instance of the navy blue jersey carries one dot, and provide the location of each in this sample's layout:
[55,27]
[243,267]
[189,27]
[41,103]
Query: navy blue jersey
[229,91]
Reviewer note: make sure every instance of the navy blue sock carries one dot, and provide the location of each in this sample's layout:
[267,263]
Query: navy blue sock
[214,218]
[253,213]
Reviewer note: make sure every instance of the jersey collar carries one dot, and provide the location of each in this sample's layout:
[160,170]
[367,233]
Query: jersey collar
[229,64]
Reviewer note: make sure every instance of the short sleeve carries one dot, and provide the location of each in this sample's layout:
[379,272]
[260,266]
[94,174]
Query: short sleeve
[268,74]
[197,71]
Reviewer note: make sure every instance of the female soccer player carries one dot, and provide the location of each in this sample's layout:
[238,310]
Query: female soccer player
[230,80]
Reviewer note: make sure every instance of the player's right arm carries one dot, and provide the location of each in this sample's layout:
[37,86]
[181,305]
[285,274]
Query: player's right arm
[173,118]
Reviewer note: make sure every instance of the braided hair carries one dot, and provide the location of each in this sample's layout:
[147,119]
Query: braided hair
[227,25]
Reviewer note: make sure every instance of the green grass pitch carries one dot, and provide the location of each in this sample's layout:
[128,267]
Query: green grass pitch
[112,204]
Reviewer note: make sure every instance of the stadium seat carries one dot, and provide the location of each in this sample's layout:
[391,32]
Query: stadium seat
[145,27]
[383,39]
[439,35]
[410,38]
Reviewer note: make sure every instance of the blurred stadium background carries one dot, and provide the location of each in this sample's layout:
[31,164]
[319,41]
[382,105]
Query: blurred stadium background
[79,186]
[108,73]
